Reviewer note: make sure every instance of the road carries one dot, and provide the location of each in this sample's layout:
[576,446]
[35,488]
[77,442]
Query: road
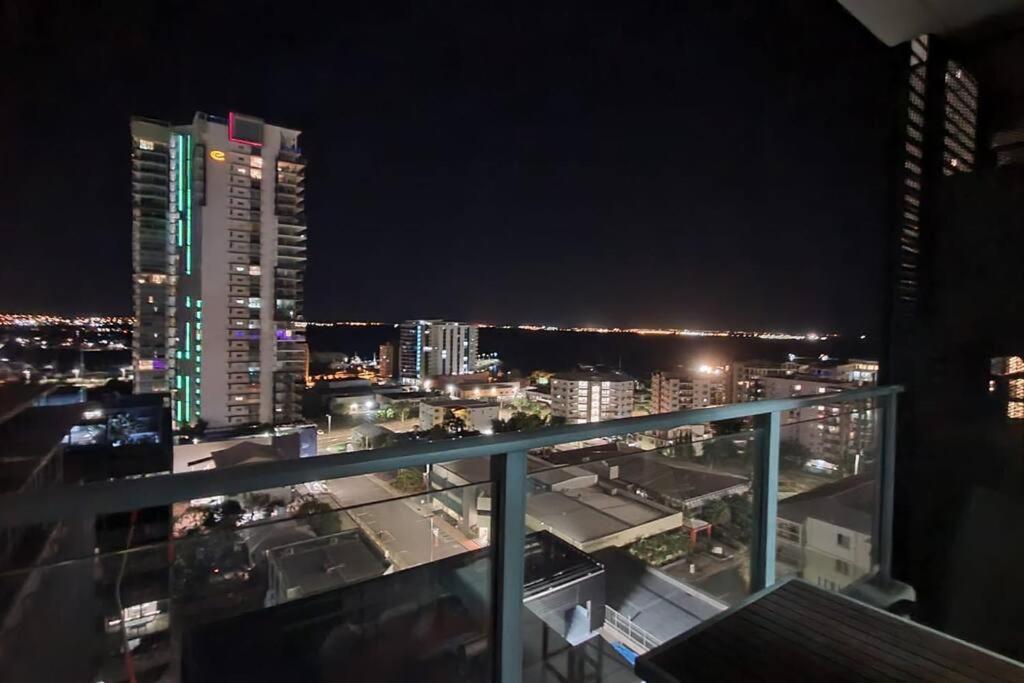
[406,529]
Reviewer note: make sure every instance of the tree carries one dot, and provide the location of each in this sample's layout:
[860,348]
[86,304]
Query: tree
[409,480]
[719,448]
[741,513]
[519,422]
[717,512]
[453,424]
[661,548]
[322,519]
[683,450]
[733,426]
[195,431]
[793,453]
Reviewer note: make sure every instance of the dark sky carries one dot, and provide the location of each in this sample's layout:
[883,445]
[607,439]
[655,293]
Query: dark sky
[635,163]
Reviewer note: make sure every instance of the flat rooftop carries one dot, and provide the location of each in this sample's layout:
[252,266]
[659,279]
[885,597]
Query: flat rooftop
[328,562]
[589,513]
[651,472]
[847,503]
[457,403]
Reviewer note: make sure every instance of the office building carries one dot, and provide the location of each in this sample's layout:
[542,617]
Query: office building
[429,348]
[220,249]
[591,395]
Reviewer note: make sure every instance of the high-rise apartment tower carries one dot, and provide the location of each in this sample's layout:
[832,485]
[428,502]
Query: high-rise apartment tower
[219,254]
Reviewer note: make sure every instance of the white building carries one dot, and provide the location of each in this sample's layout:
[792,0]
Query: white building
[218,276]
[436,347]
[680,390]
[476,415]
[589,395]
[826,532]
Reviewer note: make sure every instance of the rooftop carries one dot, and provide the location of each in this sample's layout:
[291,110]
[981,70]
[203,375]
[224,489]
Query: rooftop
[592,375]
[313,566]
[459,403]
[848,503]
[653,473]
[589,513]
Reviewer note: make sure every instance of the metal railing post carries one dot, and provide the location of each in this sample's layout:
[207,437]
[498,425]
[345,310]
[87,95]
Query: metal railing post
[886,486]
[766,502]
[509,472]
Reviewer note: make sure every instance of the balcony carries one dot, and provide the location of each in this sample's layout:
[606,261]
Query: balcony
[493,557]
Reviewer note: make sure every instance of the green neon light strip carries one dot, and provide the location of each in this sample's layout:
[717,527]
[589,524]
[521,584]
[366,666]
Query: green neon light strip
[177,405]
[188,208]
[188,399]
[188,302]
[180,190]
[177,382]
[188,340]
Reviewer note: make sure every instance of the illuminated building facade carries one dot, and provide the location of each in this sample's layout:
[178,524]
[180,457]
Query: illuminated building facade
[429,348]
[590,395]
[219,278]
[386,361]
[672,391]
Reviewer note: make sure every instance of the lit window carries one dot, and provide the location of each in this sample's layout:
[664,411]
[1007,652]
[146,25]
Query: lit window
[145,144]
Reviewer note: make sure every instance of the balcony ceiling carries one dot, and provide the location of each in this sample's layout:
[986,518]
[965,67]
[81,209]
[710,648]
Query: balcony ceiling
[896,21]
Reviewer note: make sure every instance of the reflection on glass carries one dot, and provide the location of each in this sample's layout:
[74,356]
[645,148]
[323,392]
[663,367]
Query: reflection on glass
[827,496]
[670,527]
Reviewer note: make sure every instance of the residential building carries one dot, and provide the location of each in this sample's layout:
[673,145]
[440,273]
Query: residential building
[682,390]
[825,533]
[842,435]
[746,376]
[436,347]
[387,363]
[591,395]
[219,241]
[475,415]
[154,258]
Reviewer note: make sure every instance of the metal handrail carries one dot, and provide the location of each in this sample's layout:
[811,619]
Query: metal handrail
[638,634]
[61,502]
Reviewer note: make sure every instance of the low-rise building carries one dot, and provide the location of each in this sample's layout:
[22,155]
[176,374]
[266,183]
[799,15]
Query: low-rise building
[476,415]
[825,533]
[498,391]
[591,395]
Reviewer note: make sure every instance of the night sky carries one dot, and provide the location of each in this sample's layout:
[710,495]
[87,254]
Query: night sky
[633,163]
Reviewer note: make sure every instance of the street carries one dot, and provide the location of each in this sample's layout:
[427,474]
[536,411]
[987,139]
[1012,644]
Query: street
[406,530]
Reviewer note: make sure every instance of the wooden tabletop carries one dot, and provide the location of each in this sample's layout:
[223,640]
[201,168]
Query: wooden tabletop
[795,631]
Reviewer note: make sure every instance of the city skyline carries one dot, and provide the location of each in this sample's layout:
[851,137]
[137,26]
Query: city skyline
[570,162]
